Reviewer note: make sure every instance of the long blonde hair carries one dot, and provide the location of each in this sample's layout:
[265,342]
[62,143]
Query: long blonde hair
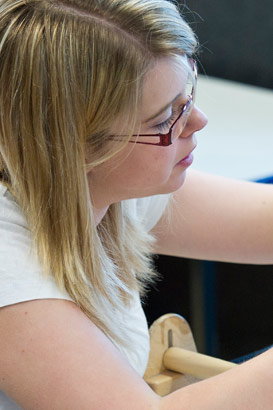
[68,68]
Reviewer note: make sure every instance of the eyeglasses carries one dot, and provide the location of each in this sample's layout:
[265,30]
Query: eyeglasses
[179,123]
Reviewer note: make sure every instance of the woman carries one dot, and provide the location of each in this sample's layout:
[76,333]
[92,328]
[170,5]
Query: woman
[98,127]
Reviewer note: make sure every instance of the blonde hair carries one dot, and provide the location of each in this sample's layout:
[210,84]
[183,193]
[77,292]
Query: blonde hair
[68,68]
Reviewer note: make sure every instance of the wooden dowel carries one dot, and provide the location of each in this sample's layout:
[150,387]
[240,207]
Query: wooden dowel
[194,364]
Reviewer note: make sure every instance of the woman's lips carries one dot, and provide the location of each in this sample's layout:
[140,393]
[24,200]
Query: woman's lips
[186,161]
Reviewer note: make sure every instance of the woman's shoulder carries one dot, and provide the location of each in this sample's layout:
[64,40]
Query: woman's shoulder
[9,210]
[149,209]
[21,275]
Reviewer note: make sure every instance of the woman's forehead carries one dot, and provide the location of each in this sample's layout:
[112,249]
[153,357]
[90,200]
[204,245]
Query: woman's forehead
[162,83]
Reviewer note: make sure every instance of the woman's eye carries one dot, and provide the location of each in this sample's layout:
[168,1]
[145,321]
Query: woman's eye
[165,125]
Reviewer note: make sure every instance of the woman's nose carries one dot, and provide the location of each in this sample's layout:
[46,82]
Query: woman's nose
[196,121]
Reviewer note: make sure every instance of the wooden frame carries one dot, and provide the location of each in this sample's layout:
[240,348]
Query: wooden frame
[173,361]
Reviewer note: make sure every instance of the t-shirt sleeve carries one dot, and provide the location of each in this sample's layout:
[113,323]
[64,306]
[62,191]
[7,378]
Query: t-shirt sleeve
[21,275]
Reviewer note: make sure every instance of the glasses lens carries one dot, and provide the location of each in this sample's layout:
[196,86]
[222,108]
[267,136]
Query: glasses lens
[180,124]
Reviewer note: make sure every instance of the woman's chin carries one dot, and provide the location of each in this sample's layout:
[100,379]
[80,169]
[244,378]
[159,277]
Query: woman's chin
[174,183]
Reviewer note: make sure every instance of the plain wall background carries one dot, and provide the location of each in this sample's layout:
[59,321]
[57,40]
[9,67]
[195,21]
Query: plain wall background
[236,38]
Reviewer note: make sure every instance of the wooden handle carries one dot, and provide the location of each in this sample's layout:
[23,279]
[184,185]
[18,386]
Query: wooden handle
[194,364]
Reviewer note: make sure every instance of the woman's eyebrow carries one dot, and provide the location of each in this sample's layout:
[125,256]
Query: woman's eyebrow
[162,109]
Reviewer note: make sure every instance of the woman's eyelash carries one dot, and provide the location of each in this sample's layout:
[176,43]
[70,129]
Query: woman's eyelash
[163,125]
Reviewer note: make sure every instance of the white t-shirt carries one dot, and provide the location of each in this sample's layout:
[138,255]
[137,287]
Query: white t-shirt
[22,279]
